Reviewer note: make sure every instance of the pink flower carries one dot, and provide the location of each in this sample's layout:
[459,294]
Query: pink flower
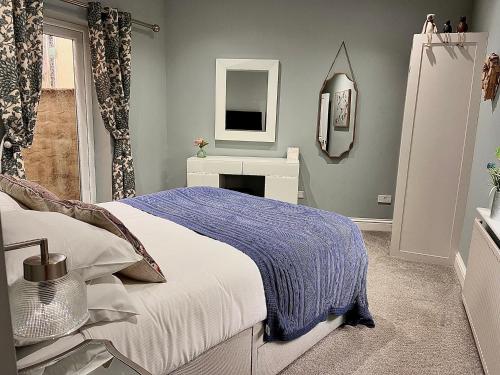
[200,142]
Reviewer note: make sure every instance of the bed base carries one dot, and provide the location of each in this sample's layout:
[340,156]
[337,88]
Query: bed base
[247,354]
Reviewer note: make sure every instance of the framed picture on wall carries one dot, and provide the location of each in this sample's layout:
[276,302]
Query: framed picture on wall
[342,109]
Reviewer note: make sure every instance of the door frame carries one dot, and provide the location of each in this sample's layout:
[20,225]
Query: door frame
[83,96]
[418,50]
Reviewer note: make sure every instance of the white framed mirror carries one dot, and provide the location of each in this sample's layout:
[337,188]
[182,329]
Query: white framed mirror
[246,99]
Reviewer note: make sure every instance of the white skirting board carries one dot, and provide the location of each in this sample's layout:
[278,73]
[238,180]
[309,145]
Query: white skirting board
[376,225]
[460,268]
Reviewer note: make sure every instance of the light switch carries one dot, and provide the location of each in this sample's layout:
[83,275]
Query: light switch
[384,199]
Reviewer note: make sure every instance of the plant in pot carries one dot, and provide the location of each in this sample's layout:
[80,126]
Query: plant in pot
[494,172]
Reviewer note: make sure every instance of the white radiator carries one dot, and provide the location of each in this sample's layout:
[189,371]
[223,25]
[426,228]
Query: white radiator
[481,296]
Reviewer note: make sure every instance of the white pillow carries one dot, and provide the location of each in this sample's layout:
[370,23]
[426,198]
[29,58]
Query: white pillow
[7,203]
[108,300]
[92,252]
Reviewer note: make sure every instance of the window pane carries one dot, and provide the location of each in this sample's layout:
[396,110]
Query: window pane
[53,160]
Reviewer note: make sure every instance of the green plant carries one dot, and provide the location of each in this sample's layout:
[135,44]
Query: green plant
[494,171]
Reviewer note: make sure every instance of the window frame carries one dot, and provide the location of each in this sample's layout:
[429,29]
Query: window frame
[83,96]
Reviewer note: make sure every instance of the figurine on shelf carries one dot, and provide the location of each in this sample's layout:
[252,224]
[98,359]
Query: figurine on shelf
[462,25]
[429,27]
[491,76]
[462,28]
[447,30]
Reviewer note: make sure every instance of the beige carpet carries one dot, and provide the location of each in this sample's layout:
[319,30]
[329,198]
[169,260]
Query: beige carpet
[421,326]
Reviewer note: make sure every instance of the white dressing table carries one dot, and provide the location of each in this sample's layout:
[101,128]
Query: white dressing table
[281,174]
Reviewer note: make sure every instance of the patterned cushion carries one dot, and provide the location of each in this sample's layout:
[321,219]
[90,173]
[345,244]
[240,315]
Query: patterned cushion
[147,269]
[26,192]
[38,198]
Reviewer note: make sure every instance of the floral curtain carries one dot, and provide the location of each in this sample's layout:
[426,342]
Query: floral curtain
[110,46]
[21,34]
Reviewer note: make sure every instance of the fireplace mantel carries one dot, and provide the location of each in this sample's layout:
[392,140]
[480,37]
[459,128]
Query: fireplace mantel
[281,174]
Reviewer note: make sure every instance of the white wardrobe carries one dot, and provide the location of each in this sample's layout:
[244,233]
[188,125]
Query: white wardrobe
[437,146]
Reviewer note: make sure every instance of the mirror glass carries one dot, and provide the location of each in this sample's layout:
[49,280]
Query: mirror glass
[246,100]
[337,115]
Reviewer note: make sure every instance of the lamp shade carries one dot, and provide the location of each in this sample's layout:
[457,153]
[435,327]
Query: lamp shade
[49,301]
[48,309]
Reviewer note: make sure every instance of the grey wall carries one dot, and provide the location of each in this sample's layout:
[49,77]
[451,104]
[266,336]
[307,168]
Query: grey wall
[486,17]
[148,91]
[304,36]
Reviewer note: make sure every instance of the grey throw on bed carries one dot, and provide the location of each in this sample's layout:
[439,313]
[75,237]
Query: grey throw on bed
[313,263]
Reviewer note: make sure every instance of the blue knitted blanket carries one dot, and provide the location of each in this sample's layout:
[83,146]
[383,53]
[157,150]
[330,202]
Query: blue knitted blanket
[313,263]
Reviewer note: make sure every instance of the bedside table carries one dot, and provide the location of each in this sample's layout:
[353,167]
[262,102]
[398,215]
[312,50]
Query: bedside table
[92,357]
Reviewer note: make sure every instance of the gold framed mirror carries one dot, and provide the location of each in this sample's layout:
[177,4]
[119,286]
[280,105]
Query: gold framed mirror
[337,107]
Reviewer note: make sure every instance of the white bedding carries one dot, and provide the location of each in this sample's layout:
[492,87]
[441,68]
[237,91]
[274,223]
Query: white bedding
[213,292]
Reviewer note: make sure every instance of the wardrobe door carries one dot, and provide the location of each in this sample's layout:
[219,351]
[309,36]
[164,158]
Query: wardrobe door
[437,145]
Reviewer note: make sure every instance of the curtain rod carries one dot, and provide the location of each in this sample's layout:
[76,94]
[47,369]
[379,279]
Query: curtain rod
[154,27]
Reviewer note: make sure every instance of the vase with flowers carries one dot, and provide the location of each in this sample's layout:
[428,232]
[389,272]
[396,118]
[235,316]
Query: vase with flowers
[494,172]
[201,143]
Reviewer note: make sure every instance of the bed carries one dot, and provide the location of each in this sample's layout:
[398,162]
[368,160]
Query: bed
[209,317]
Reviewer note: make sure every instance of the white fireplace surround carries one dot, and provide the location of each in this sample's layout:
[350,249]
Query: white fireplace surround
[281,174]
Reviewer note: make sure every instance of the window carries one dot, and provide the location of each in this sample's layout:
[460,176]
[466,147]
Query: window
[61,157]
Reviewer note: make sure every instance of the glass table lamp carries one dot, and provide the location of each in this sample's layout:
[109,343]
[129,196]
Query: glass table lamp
[49,302]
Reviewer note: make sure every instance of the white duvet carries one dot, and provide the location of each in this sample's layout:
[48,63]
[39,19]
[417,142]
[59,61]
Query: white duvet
[213,292]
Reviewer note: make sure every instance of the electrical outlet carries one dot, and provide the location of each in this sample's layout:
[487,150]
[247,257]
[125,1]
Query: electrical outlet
[384,199]
[301,194]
